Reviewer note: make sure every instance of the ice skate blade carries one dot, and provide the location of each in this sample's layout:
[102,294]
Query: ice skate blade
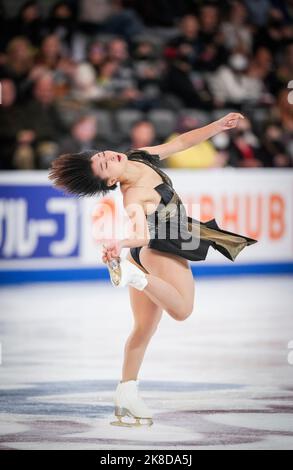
[131,425]
[121,412]
[115,271]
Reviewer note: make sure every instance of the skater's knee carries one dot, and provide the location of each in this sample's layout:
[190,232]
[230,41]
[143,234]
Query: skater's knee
[183,313]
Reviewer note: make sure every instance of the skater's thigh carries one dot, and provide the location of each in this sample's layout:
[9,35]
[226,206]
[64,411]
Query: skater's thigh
[171,268]
[146,313]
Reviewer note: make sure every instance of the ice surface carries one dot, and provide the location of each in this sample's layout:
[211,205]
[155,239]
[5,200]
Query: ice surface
[220,379]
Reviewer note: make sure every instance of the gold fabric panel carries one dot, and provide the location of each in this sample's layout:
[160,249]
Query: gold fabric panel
[232,243]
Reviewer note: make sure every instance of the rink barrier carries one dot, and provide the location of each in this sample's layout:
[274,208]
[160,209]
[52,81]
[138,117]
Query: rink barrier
[101,273]
[46,235]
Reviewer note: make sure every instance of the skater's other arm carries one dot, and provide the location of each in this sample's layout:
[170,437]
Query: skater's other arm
[195,136]
[134,203]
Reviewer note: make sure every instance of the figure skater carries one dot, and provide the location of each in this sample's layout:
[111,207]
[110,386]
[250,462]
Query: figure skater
[156,268]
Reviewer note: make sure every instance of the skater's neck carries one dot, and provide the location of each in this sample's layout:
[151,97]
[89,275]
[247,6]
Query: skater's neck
[130,176]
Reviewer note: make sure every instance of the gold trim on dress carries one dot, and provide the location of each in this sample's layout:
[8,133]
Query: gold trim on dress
[232,243]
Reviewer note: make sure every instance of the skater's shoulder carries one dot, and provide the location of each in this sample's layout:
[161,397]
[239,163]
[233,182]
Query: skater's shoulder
[143,154]
[136,201]
[134,195]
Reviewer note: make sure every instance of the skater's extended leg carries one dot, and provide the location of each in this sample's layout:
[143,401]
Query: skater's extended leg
[129,405]
[147,315]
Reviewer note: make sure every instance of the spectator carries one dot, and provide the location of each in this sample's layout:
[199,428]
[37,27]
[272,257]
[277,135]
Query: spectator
[52,72]
[37,143]
[5,25]
[42,114]
[273,34]
[50,52]
[123,78]
[83,136]
[159,12]
[96,54]
[62,23]
[11,123]
[123,21]
[285,112]
[85,86]
[273,151]
[284,71]
[143,134]
[95,12]
[244,149]
[109,16]
[148,68]
[118,50]
[28,23]
[209,18]
[52,58]
[18,62]
[178,81]
[221,143]
[262,68]
[236,30]
[117,90]
[285,7]
[187,44]
[232,84]
[258,11]
[214,53]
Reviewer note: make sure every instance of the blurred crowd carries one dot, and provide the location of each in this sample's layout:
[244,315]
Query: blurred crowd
[122,74]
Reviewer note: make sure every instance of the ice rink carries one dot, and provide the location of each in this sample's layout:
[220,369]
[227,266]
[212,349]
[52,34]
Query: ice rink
[221,379]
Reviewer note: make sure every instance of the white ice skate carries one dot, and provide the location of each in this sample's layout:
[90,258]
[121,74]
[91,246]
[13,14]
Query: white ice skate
[123,273]
[128,403]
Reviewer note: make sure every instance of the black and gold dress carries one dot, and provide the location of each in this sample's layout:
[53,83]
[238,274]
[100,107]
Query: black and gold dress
[173,231]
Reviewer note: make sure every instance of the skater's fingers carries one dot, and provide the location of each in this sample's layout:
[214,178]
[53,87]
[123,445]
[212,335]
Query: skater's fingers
[105,253]
[106,258]
[113,255]
[108,252]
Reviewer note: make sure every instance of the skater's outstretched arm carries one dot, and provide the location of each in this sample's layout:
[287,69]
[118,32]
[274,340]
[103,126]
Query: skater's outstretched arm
[194,137]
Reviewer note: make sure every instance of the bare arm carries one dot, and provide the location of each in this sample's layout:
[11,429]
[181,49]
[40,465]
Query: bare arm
[194,137]
[133,201]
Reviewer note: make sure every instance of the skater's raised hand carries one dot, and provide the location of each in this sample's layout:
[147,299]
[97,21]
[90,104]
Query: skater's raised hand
[111,250]
[229,121]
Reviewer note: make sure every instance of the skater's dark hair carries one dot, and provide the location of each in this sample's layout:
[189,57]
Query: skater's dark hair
[73,173]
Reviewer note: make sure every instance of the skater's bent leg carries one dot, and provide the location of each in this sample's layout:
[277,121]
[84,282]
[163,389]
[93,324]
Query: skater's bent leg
[147,316]
[170,283]
[166,296]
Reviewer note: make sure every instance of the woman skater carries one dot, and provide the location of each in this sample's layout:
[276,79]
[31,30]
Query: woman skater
[156,269]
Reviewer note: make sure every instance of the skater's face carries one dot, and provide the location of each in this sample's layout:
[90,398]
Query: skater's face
[109,165]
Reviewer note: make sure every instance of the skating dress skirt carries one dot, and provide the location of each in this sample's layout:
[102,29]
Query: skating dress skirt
[173,231]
